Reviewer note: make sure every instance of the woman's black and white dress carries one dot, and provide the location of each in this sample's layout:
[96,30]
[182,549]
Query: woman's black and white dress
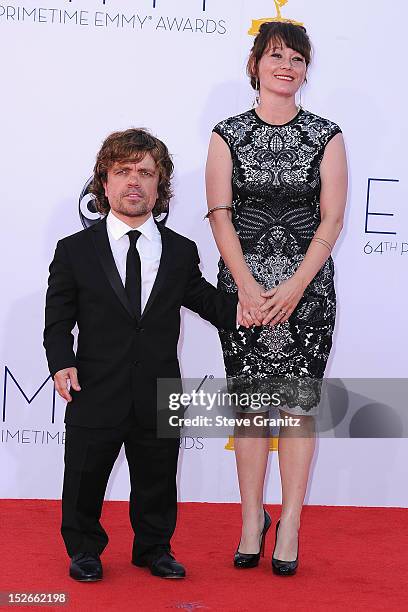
[276,211]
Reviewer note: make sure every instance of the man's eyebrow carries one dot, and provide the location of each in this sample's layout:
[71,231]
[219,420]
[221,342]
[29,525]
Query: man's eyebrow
[148,168]
[121,165]
[129,164]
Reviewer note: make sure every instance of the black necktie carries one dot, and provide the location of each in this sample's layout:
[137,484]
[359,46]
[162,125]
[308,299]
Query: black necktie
[133,284]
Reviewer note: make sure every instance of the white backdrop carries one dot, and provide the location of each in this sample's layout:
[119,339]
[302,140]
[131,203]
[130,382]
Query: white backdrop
[72,72]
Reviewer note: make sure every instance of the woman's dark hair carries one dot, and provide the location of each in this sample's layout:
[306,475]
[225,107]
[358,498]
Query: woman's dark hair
[132,145]
[277,33]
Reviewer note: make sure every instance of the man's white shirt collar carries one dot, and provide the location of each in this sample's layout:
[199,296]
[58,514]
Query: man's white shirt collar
[119,228]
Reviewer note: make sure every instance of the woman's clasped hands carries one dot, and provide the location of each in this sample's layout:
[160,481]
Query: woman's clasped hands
[258,306]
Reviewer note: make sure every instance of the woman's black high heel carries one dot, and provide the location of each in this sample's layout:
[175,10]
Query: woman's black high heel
[244,560]
[284,568]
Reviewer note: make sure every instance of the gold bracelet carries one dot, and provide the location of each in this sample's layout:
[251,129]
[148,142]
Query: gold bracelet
[323,242]
[222,207]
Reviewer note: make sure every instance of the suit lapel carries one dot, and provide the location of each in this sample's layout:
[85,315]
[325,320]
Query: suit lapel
[100,237]
[165,259]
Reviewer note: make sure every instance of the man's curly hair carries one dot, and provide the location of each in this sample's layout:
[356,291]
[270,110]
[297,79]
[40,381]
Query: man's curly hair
[132,145]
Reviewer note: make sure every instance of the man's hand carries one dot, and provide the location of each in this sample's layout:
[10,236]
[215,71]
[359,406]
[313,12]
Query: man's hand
[64,380]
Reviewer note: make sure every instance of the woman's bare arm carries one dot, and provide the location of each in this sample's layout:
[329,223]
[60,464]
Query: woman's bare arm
[333,197]
[219,192]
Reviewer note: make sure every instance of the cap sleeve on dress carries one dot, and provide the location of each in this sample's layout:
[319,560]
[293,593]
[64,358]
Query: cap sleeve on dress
[331,129]
[224,129]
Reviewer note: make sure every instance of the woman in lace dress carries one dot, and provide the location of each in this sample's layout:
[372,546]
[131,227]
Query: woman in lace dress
[277,187]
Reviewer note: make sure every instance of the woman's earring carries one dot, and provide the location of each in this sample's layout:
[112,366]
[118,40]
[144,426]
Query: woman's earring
[300,97]
[257,99]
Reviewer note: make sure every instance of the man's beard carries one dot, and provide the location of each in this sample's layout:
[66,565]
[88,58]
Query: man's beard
[136,209]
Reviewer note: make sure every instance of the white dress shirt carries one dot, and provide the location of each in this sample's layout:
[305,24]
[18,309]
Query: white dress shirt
[149,247]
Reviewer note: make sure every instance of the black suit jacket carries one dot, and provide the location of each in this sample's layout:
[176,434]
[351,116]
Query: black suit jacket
[118,357]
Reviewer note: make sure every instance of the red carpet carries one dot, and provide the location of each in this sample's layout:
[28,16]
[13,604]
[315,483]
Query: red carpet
[350,559]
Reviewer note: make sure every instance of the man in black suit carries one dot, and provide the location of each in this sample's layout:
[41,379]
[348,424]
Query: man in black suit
[123,281]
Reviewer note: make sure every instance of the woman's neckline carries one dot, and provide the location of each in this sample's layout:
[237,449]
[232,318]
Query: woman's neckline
[258,118]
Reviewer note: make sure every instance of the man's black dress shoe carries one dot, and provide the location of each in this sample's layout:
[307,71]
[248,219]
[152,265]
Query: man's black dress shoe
[86,567]
[163,565]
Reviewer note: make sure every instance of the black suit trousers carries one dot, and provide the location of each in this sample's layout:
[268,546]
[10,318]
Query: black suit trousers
[90,454]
